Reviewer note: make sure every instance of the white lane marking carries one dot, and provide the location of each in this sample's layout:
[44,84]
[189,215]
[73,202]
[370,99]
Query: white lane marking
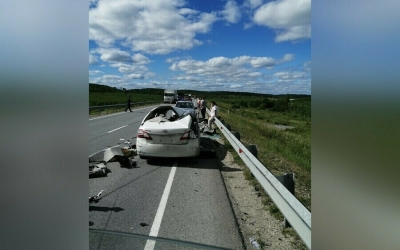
[117,129]
[161,208]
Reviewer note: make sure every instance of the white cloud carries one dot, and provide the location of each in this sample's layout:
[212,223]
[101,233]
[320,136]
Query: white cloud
[289,77]
[133,70]
[140,59]
[288,58]
[290,18]
[114,55]
[154,27]
[111,77]
[307,66]
[136,76]
[221,64]
[95,72]
[187,78]
[262,62]
[231,12]
[186,11]
[93,60]
[252,4]
[237,70]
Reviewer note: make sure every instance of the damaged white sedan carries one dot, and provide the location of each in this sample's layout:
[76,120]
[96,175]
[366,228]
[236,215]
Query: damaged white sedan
[168,132]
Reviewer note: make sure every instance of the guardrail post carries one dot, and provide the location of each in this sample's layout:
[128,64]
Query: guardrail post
[253,149]
[236,134]
[228,127]
[287,181]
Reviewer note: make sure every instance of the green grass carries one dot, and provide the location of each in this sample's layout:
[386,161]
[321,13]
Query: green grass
[293,145]
[108,98]
[281,151]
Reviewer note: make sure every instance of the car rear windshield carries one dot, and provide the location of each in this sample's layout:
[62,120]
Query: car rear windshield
[185,105]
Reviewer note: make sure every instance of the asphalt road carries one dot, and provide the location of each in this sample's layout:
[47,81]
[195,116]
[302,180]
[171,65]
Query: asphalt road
[180,199]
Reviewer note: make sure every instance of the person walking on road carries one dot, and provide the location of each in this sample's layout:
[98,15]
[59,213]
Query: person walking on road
[213,114]
[129,105]
[203,107]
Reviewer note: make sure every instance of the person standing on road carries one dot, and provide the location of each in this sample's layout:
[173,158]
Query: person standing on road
[203,107]
[194,101]
[129,104]
[213,114]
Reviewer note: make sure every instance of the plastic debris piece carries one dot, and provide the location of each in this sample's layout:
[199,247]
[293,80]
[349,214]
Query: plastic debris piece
[97,168]
[95,198]
[254,243]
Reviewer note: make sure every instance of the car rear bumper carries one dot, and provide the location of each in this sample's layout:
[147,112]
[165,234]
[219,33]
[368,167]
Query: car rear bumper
[192,149]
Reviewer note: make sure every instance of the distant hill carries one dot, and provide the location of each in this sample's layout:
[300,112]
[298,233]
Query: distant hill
[93,87]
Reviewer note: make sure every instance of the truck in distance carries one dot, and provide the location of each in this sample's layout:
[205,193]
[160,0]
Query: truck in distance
[170,96]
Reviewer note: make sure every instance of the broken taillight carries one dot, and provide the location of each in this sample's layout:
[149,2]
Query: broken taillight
[143,134]
[185,136]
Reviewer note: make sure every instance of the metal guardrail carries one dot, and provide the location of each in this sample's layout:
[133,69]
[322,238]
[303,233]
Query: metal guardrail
[116,106]
[291,208]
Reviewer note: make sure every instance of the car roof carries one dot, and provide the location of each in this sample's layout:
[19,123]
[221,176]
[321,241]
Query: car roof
[164,108]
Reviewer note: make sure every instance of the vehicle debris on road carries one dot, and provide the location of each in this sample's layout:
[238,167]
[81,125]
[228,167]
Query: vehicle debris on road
[98,161]
[254,243]
[97,169]
[95,198]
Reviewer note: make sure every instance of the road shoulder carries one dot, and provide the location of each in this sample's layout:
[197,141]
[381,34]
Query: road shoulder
[253,219]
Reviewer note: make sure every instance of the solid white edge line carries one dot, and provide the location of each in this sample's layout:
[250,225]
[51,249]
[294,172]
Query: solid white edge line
[161,208]
[116,129]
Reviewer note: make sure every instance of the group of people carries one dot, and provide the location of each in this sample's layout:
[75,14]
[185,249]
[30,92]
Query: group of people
[202,106]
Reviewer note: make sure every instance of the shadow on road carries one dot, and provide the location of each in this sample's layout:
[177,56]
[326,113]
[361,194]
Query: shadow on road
[105,209]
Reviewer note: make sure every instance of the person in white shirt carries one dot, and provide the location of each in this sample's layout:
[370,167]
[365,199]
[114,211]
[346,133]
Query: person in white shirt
[213,114]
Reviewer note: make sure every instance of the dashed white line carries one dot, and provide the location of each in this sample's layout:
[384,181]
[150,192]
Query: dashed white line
[161,208]
[117,129]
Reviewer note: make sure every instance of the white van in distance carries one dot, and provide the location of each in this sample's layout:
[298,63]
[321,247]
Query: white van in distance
[170,96]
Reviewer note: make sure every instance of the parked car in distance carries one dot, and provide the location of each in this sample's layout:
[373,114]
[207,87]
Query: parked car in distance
[187,106]
[168,131]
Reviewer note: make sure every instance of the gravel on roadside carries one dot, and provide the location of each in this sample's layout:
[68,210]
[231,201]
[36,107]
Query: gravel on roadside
[253,218]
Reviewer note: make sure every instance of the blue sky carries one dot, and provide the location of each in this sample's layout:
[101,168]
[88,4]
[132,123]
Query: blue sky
[209,45]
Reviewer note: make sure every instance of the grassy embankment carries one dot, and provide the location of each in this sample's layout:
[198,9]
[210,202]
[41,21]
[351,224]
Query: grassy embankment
[281,151]
[100,95]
